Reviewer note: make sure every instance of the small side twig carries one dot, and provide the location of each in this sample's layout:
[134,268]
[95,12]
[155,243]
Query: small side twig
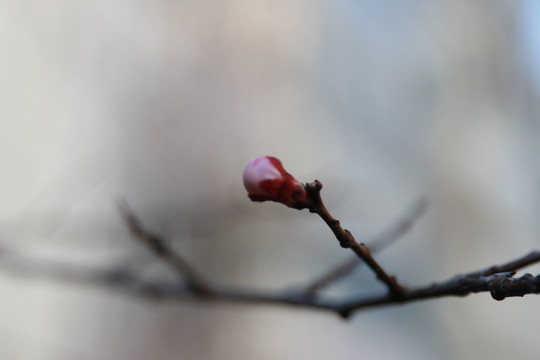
[160,248]
[347,240]
[530,258]
[381,241]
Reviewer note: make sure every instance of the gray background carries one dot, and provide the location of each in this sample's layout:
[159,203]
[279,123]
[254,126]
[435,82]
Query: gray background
[163,103]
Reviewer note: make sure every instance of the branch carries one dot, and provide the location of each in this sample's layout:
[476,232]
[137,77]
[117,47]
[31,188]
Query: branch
[519,263]
[498,280]
[500,285]
[376,244]
[160,248]
[347,240]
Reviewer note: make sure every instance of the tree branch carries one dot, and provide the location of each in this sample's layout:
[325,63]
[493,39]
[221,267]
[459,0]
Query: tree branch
[160,248]
[347,240]
[500,285]
[381,241]
[497,279]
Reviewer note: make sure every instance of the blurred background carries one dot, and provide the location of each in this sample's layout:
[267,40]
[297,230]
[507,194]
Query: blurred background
[164,102]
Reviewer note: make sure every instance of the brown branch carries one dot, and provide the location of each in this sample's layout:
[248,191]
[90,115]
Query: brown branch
[498,279]
[347,240]
[379,242]
[160,248]
[500,285]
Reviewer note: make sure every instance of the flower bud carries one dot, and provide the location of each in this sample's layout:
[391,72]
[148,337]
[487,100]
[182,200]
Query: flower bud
[266,179]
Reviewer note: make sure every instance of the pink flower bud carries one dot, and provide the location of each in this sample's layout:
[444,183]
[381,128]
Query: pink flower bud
[266,179]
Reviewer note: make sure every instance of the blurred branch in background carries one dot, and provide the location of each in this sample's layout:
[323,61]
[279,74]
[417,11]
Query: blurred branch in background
[160,248]
[497,279]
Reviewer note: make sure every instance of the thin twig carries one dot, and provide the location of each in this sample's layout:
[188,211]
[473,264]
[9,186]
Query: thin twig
[346,239]
[379,242]
[530,258]
[160,248]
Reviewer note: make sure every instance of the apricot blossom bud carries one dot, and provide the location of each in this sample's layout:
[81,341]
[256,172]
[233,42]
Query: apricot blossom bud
[265,179]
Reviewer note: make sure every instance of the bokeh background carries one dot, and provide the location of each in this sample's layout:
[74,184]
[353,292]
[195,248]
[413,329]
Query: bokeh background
[163,103]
